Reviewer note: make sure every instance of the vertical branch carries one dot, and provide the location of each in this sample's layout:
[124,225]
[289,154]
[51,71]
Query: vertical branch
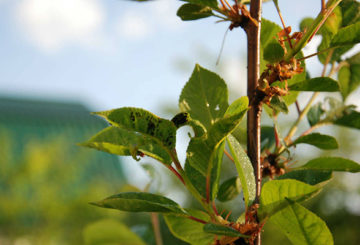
[254,114]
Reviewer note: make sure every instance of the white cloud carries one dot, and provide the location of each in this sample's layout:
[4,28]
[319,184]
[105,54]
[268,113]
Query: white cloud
[134,26]
[53,24]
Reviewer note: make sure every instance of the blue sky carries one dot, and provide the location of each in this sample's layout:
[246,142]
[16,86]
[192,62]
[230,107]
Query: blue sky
[113,53]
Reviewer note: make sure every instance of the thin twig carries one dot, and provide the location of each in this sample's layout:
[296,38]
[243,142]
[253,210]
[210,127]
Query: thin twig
[176,173]
[197,220]
[156,227]
[297,107]
[228,155]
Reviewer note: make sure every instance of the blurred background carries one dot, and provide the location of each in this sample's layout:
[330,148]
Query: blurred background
[61,59]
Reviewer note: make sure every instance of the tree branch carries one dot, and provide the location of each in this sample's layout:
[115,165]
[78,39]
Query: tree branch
[254,114]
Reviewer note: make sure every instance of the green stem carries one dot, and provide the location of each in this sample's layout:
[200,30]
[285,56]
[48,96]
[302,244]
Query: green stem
[318,22]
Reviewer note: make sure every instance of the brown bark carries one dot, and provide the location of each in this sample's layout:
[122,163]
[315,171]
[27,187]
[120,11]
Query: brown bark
[254,114]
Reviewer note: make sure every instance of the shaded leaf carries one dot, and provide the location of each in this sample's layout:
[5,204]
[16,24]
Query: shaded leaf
[332,164]
[273,52]
[140,202]
[324,84]
[193,12]
[277,103]
[204,97]
[267,137]
[110,232]
[122,142]
[315,113]
[229,189]
[189,230]
[351,120]
[311,177]
[301,226]
[244,169]
[209,3]
[276,193]
[349,35]
[222,230]
[144,122]
[321,141]
[350,12]
[349,75]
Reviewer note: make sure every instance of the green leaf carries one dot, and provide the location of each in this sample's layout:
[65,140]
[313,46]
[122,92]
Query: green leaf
[332,164]
[222,230]
[350,11]
[238,106]
[306,23]
[109,231]
[277,103]
[315,113]
[321,141]
[324,84]
[301,226]
[189,230]
[122,142]
[204,155]
[333,22]
[267,137]
[183,118]
[193,12]
[140,202]
[144,122]
[209,3]
[351,120]
[311,177]
[349,75]
[273,52]
[268,34]
[349,35]
[229,189]
[244,169]
[204,97]
[275,193]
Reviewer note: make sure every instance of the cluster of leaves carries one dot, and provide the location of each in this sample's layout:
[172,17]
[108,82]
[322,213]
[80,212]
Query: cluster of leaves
[204,107]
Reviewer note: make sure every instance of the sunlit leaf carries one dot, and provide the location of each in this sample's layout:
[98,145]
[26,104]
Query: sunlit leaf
[110,232]
[140,202]
[301,226]
[275,193]
[122,142]
[144,122]
[189,230]
[204,97]
[332,164]
[204,157]
[268,34]
[321,141]
[244,169]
